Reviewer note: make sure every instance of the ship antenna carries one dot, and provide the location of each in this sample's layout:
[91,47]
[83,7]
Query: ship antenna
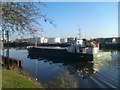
[79,33]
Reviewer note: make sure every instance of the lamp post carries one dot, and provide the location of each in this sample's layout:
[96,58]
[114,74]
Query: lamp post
[35,36]
[3,41]
[36,41]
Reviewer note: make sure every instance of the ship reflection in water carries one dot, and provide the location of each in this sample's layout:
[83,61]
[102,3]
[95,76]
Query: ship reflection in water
[96,74]
[81,68]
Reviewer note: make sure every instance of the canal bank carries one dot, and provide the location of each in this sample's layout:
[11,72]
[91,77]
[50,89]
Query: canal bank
[14,77]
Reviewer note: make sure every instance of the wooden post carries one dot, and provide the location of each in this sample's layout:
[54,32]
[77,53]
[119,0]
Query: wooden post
[7,52]
[19,64]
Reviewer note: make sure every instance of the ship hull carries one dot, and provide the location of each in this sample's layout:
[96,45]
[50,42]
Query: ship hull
[62,54]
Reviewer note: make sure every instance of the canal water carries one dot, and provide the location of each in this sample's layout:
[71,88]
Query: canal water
[102,73]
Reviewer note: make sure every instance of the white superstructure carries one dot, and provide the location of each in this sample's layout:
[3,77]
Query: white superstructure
[81,46]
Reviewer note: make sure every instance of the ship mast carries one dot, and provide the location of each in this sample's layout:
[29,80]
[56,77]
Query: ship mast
[80,34]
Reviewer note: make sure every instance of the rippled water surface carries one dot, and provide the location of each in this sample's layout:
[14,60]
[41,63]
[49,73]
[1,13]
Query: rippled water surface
[102,73]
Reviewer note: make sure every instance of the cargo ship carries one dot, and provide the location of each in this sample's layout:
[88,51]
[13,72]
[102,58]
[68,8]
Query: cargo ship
[80,50]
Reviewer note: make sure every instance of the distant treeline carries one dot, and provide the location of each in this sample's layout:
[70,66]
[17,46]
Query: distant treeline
[14,44]
[25,44]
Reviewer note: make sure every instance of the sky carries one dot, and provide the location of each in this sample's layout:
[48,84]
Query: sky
[94,19]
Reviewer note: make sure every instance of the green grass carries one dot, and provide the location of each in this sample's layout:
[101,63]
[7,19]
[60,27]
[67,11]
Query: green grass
[0,77]
[12,79]
[63,81]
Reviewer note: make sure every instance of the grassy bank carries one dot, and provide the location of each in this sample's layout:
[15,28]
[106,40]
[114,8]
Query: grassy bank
[63,81]
[12,79]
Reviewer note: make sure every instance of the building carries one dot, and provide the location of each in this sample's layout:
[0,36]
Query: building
[57,40]
[39,40]
[70,40]
[53,40]
[33,40]
[43,40]
[63,40]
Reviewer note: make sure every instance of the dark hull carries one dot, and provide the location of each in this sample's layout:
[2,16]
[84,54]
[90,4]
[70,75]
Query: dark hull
[58,54]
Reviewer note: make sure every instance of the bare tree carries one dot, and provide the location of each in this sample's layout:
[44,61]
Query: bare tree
[22,16]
